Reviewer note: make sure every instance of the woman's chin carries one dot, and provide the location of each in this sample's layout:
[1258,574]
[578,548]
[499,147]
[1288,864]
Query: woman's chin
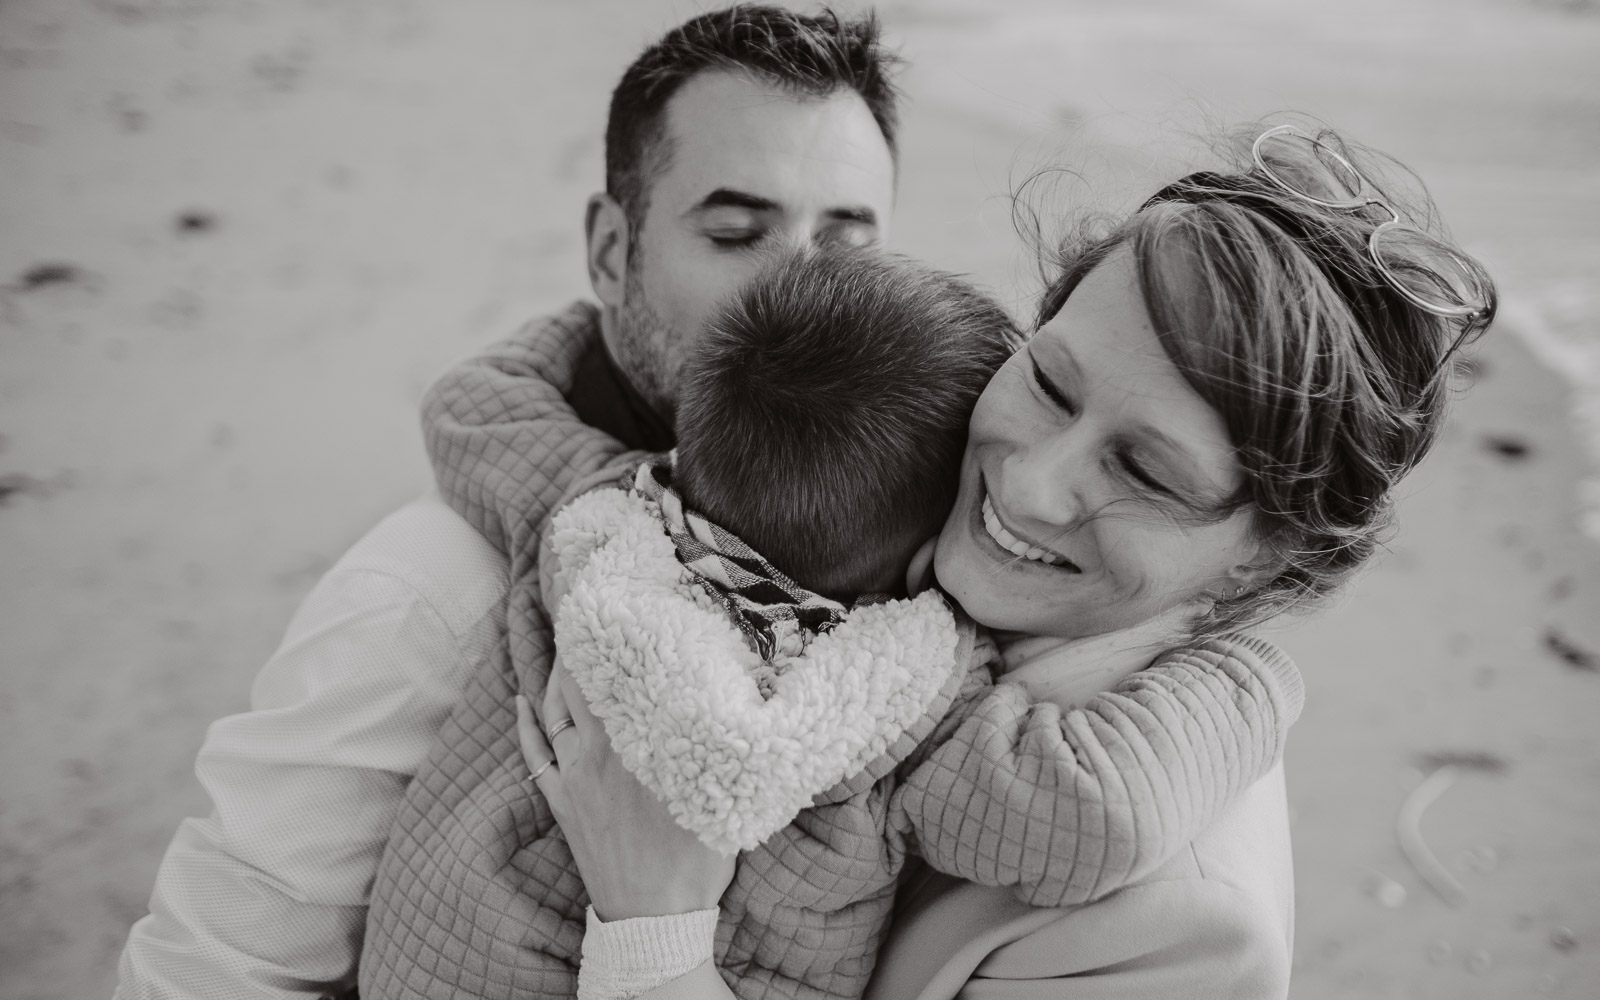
[975,582]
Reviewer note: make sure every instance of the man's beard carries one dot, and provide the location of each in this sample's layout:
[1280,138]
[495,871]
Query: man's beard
[642,340]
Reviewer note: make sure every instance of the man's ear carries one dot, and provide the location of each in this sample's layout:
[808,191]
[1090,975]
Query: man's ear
[605,229]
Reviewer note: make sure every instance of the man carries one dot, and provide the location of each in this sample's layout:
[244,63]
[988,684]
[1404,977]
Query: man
[740,128]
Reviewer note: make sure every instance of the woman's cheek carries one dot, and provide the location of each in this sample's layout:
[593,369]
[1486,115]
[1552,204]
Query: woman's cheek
[1121,573]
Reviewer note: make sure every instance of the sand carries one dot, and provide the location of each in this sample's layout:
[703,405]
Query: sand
[238,239]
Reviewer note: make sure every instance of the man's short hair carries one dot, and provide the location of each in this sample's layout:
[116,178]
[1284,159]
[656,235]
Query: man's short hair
[809,55]
[823,413]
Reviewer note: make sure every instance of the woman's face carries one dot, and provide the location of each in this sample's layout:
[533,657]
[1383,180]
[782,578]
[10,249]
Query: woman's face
[1090,472]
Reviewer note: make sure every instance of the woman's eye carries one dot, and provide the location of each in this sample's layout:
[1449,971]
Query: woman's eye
[1049,388]
[1143,475]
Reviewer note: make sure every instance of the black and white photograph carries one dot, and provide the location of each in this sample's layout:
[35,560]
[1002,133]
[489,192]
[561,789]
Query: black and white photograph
[686,500]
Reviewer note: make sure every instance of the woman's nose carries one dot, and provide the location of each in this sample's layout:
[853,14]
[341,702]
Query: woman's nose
[1049,482]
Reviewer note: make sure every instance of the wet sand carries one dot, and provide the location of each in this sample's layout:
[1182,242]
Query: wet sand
[238,239]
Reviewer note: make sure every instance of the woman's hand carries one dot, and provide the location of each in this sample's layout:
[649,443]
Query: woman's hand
[634,859]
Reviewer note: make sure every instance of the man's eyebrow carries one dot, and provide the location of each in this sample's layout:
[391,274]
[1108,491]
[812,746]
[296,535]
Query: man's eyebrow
[733,198]
[730,198]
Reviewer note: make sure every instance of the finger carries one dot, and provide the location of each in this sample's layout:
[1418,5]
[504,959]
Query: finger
[555,706]
[562,738]
[535,748]
[588,737]
[574,703]
[536,751]
[584,722]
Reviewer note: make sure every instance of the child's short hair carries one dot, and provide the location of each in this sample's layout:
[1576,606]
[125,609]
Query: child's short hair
[823,414]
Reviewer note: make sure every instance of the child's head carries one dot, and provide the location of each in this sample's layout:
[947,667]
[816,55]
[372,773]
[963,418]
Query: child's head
[823,415]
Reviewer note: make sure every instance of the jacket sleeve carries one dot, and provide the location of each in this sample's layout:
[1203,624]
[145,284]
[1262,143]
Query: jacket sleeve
[1068,807]
[977,683]
[505,444]
[267,895]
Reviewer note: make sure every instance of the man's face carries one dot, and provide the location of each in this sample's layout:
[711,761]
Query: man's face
[748,165]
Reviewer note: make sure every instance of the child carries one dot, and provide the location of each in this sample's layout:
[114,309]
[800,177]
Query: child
[822,419]
[821,426]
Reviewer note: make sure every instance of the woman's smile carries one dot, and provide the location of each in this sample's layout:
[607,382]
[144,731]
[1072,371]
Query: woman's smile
[1012,545]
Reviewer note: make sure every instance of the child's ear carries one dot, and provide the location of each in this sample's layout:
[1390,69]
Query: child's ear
[605,230]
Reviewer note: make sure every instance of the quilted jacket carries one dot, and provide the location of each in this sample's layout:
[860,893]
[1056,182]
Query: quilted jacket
[477,895]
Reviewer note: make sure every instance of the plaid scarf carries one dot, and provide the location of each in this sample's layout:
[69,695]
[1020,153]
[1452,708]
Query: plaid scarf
[778,615]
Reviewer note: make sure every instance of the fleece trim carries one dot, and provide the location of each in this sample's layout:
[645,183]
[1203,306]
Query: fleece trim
[674,681]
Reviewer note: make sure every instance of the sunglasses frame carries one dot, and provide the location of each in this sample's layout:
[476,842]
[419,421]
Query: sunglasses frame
[1364,197]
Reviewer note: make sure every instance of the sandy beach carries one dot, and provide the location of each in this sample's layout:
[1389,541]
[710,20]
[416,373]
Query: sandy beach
[238,239]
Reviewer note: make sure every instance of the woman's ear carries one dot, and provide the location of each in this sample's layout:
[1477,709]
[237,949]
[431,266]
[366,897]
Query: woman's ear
[1245,577]
[605,230]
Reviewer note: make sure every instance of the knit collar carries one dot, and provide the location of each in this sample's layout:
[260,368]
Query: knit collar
[777,615]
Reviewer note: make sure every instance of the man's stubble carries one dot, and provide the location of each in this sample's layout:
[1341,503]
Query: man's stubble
[647,346]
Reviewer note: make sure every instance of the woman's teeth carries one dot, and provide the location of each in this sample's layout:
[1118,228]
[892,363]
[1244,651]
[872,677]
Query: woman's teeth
[1011,543]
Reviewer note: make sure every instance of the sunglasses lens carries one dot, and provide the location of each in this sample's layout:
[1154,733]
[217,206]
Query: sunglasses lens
[1428,272]
[1311,169]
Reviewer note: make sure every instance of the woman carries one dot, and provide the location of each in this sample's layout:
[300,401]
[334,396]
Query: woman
[1235,376]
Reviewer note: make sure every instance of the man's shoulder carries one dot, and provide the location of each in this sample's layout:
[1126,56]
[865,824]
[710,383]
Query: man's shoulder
[429,549]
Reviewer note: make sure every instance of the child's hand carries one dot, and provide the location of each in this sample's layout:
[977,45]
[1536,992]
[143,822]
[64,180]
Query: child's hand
[919,575]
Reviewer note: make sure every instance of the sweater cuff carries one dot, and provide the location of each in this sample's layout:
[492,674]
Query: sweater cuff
[623,959]
[1278,665]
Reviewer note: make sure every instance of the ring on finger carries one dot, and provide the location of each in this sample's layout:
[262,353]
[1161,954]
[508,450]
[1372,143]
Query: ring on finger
[559,728]
[536,775]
